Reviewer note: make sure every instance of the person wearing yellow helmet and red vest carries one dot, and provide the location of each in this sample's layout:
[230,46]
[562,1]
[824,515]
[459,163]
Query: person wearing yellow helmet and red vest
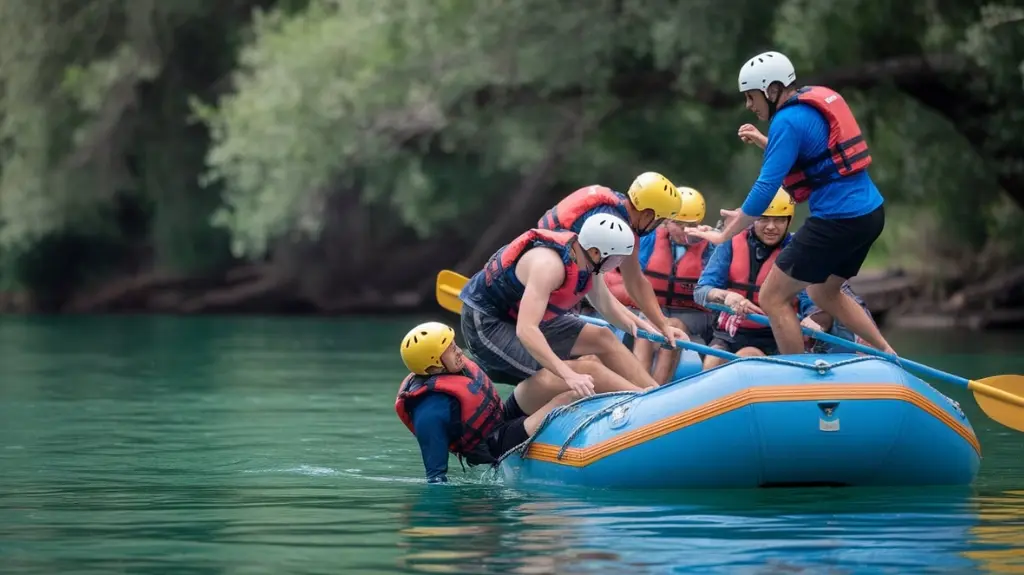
[734,277]
[816,150]
[517,318]
[451,406]
[672,261]
[650,200]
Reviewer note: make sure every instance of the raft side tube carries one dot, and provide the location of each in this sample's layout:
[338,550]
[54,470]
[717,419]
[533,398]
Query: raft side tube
[749,423]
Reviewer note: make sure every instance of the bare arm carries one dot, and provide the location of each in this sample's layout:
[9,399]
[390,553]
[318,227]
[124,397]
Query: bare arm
[542,271]
[609,306]
[717,295]
[641,292]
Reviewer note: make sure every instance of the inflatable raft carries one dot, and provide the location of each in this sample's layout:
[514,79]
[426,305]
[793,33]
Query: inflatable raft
[800,420]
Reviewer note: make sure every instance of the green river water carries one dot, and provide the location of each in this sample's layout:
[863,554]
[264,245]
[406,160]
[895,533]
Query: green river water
[250,446]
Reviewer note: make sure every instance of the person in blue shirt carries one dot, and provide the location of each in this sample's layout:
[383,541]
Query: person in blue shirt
[815,318]
[735,277]
[672,261]
[815,150]
[451,406]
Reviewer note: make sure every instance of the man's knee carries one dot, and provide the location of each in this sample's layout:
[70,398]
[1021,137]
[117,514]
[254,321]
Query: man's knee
[823,294]
[675,322]
[772,297]
[604,340]
[750,352]
[587,364]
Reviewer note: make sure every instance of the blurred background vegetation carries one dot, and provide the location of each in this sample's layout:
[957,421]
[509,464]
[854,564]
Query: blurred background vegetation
[330,156]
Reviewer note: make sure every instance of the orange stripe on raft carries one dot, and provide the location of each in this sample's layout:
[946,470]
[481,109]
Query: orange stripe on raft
[583,456]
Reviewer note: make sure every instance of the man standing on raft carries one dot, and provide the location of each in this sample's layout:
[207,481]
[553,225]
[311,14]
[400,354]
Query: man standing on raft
[814,149]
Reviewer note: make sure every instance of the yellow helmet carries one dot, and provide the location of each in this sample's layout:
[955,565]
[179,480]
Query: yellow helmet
[692,208]
[424,344]
[782,205]
[653,191]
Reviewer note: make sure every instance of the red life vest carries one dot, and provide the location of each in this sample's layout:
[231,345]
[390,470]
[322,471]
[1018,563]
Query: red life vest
[846,146]
[673,281]
[566,213]
[741,276]
[479,403]
[500,269]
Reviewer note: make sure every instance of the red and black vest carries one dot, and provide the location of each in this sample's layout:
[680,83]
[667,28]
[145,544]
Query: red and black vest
[743,279]
[568,213]
[501,291]
[847,151]
[480,409]
[673,281]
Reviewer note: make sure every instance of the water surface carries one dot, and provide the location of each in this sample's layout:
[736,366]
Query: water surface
[215,445]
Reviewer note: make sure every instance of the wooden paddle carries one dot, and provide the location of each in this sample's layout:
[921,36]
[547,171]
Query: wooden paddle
[450,284]
[1001,397]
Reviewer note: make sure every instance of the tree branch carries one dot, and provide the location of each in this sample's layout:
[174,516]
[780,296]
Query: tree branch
[522,198]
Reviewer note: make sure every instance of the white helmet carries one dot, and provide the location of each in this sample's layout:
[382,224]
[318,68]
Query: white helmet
[760,71]
[607,233]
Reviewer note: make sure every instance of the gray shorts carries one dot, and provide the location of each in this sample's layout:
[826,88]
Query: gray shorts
[496,349]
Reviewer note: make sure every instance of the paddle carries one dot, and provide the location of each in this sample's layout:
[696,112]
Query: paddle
[450,284]
[999,395]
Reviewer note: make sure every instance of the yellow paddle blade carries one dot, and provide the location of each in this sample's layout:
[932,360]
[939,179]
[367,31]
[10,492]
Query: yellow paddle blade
[1001,397]
[449,286]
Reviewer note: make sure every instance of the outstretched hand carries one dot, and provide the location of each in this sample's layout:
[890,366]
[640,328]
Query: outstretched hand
[711,234]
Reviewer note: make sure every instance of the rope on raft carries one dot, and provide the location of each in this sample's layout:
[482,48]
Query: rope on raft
[820,366]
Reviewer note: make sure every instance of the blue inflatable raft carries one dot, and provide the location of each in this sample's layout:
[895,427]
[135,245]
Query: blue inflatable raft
[800,420]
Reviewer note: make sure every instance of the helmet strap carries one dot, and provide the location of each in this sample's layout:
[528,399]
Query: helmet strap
[773,104]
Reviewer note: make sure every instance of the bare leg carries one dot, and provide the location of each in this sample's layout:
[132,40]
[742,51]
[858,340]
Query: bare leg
[602,342]
[534,420]
[668,359]
[776,299]
[711,361]
[644,352]
[830,298]
[750,352]
[531,394]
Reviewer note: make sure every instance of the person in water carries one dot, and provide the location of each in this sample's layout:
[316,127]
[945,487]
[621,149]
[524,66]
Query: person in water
[516,315]
[451,406]
[734,276]
[650,200]
[672,261]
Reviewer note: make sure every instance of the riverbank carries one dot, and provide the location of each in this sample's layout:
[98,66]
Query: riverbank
[897,298]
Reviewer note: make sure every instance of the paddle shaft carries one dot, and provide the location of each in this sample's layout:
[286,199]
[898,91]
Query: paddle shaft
[657,338]
[454,290]
[822,336]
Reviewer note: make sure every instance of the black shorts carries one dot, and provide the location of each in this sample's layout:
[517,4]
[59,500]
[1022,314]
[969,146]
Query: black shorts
[511,432]
[823,248]
[761,339]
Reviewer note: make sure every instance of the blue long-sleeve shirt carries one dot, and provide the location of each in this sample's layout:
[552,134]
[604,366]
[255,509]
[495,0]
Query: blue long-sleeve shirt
[797,134]
[716,275]
[435,419]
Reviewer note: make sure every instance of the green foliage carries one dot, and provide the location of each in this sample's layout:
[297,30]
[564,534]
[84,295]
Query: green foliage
[225,130]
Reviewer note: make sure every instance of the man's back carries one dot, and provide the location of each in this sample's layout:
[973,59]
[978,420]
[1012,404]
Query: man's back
[848,197]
